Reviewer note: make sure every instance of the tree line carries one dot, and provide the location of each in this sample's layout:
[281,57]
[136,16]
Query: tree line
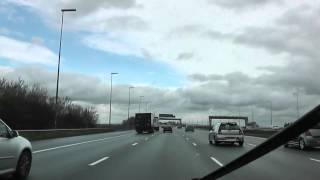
[24,106]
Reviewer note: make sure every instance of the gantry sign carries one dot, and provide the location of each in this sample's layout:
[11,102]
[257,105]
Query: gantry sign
[169,117]
[245,118]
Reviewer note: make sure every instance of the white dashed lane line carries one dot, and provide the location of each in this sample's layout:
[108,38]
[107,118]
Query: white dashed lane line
[316,160]
[216,161]
[252,145]
[146,139]
[99,161]
[194,144]
[134,144]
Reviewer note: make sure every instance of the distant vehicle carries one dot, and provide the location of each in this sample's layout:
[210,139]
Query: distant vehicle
[144,123]
[15,153]
[276,127]
[167,128]
[308,139]
[189,129]
[226,132]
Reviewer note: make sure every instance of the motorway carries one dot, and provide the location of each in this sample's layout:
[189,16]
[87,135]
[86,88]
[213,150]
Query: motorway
[177,156]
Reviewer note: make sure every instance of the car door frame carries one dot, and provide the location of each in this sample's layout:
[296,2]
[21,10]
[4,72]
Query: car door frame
[7,152]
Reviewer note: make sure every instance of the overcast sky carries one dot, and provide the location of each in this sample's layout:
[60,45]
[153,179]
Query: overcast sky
[192,58]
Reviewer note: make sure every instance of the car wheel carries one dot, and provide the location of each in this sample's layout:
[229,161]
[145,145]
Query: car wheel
[23,166]
[302,145]
[216,143]
[286,145]
[210,142]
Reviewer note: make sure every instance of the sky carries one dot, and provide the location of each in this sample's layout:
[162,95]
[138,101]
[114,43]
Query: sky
[191,58]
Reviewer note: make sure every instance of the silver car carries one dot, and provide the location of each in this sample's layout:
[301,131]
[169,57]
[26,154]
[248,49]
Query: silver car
[226,132]
[15,153]
[308,139]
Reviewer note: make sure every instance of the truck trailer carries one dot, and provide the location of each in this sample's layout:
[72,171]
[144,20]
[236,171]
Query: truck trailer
[144,122]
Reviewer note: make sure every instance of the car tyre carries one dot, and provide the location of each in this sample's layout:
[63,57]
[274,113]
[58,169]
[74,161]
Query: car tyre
[210,142]
[241,143]
[286,145]
[23,165]
[216,143]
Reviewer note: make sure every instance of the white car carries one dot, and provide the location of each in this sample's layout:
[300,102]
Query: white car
[226,132]
[15,153]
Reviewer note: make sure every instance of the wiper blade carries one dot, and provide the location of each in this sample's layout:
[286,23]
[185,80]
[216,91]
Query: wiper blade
[304,123]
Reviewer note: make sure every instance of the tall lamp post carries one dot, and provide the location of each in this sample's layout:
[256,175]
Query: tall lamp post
[111,74]
[58,73]
[131,87]
[297,96]
[140,102]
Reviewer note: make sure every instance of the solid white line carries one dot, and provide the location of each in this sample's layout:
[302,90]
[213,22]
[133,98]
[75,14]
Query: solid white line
[216,161]
[316,160]
[194,144]
[75,144]
[134,144]
[99,161]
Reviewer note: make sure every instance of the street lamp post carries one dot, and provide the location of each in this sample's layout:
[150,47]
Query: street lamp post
[131,87]
[111,74]
[271,121]
[58,73]
[140,102]
[297,96]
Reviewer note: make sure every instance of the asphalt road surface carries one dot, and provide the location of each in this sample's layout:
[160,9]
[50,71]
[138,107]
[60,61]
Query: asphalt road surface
[159,156]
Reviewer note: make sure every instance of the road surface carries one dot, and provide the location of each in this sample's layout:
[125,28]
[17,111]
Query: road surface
[176,156]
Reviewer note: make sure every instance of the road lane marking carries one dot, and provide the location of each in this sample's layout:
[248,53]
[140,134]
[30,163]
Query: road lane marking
[187,139]
[216,161]
[252,145]
[146,139]
[99,161]
[75,144]
[134,144]
[194,144]
[316,160]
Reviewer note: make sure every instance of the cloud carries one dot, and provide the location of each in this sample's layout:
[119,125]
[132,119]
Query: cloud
[236,4]
[217,94]
[25,52]
[294,33]
[118,45]
[185,56]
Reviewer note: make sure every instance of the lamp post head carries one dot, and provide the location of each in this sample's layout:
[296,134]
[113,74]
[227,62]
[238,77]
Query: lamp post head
[68,10]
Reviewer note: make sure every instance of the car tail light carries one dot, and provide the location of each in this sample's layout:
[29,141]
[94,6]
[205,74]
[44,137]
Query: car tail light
[307,133]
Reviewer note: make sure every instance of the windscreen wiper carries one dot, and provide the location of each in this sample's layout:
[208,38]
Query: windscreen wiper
[304,123]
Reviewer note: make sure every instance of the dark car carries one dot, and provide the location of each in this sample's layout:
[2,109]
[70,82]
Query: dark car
[189,129]
[179,126]
[167,129]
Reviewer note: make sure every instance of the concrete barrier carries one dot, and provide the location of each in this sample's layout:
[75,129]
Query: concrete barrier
[265,133]
[33,135]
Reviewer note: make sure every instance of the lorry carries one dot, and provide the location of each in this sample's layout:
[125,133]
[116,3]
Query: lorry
[144,122]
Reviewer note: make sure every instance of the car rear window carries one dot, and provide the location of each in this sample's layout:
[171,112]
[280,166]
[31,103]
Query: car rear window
[229,126]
